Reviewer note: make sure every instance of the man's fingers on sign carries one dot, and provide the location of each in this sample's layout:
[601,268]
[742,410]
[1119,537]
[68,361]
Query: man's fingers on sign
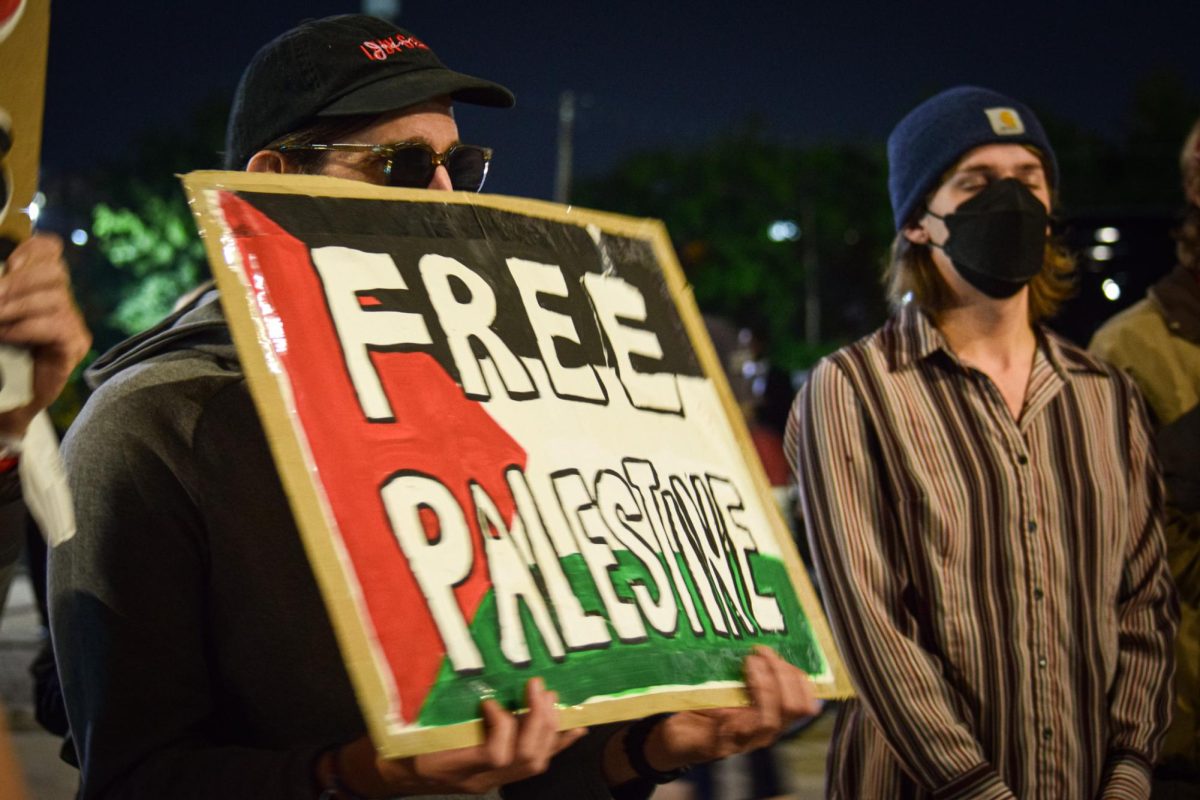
[514,747]
[519,747]
[797,698]
[766,696]
[539,740]
[780,694]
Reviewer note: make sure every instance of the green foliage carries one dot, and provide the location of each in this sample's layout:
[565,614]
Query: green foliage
[1141,170]
[158,247]
[718,203]
[142,229]
[143,251]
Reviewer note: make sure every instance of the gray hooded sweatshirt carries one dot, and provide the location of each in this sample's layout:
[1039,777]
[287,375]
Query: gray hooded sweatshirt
[196,656]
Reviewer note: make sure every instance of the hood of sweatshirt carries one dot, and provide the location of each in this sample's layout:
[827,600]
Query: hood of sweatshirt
[197,325]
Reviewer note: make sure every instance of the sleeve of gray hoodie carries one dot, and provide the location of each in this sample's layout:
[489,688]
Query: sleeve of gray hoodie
[129,615]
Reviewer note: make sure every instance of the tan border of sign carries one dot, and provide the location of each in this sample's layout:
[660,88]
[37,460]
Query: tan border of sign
[23,54]
[306,497]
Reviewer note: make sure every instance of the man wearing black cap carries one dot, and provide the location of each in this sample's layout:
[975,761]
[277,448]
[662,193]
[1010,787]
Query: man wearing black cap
[982,497]
[196,656]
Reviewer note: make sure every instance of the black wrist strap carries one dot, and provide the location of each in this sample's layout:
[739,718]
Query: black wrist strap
[635,750]
[335,788]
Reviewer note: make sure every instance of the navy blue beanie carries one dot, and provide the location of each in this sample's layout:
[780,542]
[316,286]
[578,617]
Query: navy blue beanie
[937,133]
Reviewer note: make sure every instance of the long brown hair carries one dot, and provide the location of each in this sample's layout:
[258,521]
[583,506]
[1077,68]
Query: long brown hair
[911,275]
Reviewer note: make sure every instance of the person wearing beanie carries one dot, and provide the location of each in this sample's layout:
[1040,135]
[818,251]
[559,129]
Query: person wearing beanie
[1157,341]
[197,658]
[982,498]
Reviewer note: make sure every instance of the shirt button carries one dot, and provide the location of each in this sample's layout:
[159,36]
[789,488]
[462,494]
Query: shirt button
[1038,594]
[1032,526]
[1042,663]
[1046,732]
[1022,459]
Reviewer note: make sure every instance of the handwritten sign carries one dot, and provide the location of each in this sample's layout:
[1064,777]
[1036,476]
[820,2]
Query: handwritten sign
[509,450]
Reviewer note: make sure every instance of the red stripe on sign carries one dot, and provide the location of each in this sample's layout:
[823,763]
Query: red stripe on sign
[8,8]
[437,432]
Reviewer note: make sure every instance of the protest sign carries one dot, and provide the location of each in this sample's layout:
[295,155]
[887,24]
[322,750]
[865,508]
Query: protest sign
[24,33]
[510,452]
[24,36]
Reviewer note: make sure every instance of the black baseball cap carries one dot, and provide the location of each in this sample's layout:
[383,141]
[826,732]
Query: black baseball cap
[337,66]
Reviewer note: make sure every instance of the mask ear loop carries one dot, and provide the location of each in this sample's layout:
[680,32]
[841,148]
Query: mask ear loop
[939,218]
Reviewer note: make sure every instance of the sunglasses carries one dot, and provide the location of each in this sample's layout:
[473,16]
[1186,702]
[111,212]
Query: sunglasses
[412,164]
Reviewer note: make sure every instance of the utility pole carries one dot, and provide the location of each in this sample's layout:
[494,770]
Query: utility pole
[384,9]
[812,293]
[566,136]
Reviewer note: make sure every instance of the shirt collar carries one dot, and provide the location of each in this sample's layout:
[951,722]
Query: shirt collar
[1066,358]
[910,337]
[1178,295]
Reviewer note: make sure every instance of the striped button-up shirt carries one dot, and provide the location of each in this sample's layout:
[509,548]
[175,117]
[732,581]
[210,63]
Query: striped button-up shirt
[996,586]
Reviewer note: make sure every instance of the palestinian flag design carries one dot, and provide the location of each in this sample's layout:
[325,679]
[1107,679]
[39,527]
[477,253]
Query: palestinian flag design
[521,466]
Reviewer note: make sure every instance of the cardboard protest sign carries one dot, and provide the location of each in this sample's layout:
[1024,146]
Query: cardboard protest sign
[510,451]
[24,33]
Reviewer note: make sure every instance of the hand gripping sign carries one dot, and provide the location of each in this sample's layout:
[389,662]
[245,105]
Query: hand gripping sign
[510,452]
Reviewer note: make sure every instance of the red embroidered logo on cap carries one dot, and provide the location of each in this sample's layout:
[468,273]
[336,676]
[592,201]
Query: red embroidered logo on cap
[380,49]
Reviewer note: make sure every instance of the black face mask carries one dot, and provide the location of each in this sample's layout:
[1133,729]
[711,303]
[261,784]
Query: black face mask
[997,238]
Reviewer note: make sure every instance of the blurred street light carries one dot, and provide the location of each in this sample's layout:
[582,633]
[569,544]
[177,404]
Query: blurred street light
[783,230]
[1108,235]
[1111,289]
[34,209]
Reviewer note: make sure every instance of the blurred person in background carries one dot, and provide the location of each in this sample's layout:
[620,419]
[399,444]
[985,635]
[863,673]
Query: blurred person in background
[1157,341]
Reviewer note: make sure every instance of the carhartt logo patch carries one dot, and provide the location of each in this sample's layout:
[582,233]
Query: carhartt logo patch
[1005,121]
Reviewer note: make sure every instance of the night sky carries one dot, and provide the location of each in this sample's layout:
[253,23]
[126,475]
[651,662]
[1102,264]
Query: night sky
[648,73]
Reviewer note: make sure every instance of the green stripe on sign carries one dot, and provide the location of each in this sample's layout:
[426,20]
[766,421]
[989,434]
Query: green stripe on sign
[620,668]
